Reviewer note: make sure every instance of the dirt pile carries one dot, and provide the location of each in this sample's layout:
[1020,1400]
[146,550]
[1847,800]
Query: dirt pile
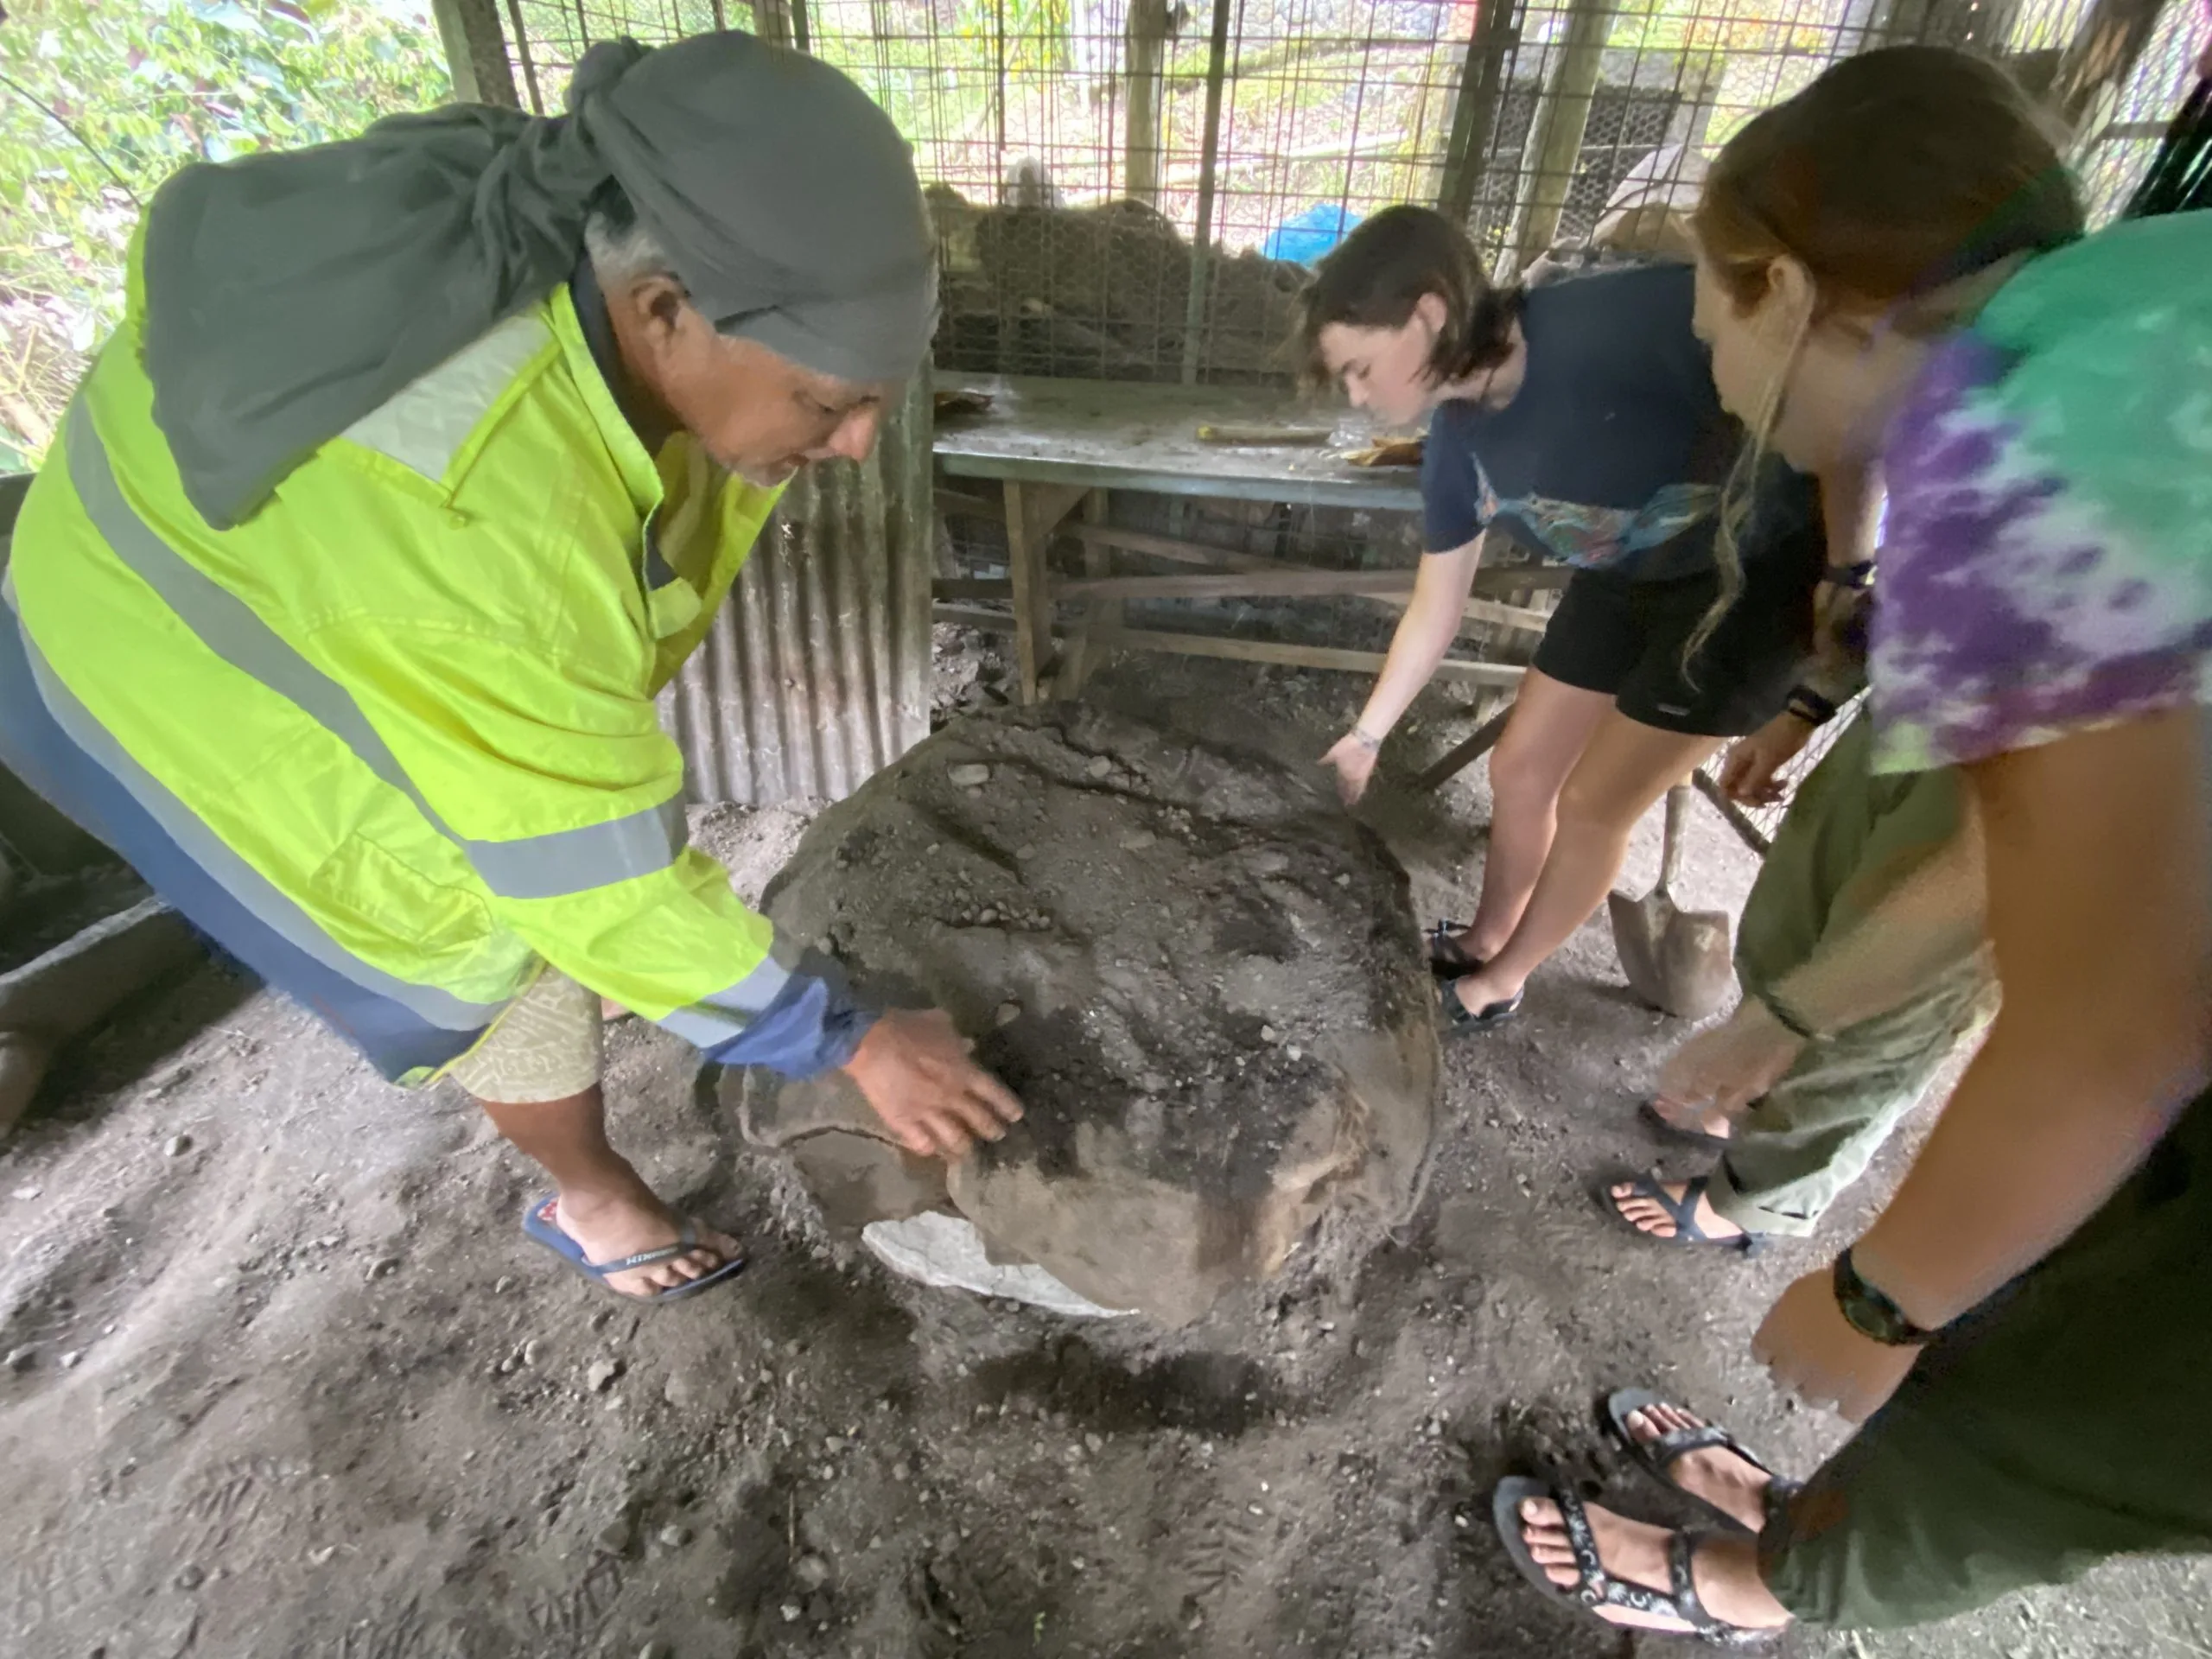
[1203,978]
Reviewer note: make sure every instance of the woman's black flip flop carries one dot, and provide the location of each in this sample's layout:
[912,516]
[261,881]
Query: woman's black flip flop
[1682,1211]
[1594,1587]
[1657,1458]
[1458,1022]
[1649,1112]
[1448,958]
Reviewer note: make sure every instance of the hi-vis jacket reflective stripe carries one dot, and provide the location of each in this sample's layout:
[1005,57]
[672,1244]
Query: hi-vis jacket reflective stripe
[405,715]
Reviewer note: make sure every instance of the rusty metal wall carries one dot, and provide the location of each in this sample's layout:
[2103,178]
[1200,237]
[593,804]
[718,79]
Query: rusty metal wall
[817,674]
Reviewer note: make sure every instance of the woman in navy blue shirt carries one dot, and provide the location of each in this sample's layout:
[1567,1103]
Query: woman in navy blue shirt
[1581,420]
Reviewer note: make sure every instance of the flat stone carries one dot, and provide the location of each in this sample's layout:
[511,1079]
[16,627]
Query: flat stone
[969,776]
[811,1571]
[600,1375]
[1151,1169]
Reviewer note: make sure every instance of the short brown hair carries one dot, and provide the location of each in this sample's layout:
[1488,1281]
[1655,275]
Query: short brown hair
[1376,276]
[1893,175]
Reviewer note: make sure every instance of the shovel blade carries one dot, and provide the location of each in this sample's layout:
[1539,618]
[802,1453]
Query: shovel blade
[1678,960]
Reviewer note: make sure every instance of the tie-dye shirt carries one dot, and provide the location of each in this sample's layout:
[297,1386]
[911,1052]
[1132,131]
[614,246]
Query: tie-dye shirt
[2047,562]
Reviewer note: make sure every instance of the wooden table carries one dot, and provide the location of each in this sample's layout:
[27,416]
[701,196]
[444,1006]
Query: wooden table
[1052,446]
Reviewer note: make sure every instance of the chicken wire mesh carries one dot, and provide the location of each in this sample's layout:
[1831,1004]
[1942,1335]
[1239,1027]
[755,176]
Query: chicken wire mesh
[1136,189]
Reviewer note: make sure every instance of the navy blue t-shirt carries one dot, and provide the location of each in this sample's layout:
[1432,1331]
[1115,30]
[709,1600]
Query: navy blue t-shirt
[1613,453]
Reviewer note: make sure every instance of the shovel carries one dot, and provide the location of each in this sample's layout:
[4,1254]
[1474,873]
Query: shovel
[1677,960]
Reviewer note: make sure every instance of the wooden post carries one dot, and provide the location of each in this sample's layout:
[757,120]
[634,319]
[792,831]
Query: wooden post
[2097,61]
[1194,313]
[476,53]
[1983,25]
[1561,120]
[1474,112]
[772,20]
[1147,34]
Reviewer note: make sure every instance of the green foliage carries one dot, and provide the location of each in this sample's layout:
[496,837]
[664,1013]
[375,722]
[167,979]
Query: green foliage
[133,90]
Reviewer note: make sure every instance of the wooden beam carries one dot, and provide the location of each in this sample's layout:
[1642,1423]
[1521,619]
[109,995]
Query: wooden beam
[973,616]
[1268,651]
[1466,754]
[996,587]
[1256,584]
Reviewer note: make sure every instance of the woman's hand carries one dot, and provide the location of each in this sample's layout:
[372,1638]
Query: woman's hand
[1747,776]
[1353,761]
[1732,1064]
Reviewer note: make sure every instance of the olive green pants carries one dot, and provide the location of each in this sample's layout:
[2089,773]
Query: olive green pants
[1801,1144]
[2060,1423]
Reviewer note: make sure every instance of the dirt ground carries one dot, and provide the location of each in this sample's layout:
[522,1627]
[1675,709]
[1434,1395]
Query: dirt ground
[284,1379]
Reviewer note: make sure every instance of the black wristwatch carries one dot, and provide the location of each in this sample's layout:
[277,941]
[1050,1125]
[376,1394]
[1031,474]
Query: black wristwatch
[1871,1313]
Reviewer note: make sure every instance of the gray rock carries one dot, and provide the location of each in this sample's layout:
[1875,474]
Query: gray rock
[20,1360]
[969,776]
[673,1537]
[178,1146]
[811,1571]
[190,1577]
[1152,1171]
[616,1536]
[600,1375]
[657,1649]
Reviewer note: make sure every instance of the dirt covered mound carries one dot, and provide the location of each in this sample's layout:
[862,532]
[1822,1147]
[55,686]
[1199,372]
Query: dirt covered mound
[1202,978]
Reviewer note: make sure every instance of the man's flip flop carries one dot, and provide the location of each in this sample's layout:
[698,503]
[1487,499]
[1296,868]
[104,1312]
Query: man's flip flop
[1649,1112]
[1448,958]
[1594,1587]
[1682,1211]
[540,1224]
[1657,1458]
[1458,1022]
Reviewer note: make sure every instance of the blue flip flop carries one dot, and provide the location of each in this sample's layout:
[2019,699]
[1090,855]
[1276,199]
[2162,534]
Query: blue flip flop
[538,1222]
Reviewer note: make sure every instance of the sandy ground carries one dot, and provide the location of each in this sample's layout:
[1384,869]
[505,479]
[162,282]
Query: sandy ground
[287,1381]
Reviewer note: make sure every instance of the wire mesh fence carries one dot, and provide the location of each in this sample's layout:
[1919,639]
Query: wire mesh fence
[1136,189]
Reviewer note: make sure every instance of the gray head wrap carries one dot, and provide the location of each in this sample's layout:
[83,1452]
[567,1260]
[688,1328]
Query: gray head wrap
[287,296]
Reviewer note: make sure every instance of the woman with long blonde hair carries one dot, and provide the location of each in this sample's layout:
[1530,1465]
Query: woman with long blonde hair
[2022,1327]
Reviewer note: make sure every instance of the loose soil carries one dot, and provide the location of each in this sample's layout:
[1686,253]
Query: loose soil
[284,1380]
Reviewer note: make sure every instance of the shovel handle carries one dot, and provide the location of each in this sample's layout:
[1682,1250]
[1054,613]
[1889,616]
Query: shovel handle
[1670,851]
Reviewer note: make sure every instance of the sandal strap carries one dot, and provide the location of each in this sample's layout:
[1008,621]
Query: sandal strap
[1690,1608]
[687,1240]
[1594,1585]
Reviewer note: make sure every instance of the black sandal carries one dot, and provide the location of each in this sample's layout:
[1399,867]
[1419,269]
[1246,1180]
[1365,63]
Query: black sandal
[1649,1112]
[1448,958]
[1458,1022]
[1682,1211]
[1657,1458]
[1595,1587]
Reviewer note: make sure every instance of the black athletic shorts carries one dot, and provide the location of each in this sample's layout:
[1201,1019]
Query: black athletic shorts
[1615,635]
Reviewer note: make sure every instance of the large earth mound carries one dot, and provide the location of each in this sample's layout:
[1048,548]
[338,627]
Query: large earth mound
[1202,978]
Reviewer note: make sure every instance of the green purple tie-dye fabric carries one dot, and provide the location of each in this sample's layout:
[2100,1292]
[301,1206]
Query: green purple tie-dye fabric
[2047,561]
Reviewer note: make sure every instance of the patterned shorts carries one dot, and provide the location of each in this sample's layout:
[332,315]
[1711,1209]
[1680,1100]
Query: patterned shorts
[545,1046]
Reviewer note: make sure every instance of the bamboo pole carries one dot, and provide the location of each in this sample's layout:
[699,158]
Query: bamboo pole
[1147,36]
[1474,114]
[1194,313]
[1561,121]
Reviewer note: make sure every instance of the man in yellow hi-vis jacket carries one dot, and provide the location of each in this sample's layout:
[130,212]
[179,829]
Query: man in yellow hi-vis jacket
[418,466]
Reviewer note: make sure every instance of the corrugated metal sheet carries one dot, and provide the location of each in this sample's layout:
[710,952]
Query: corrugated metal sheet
[817,674]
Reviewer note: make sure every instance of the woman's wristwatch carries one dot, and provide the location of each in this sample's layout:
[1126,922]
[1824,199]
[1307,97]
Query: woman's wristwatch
[1809,706]
[1871,1314]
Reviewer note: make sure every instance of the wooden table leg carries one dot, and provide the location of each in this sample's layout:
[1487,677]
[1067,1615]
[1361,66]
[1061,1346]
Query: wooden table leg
[1092,641]
[1033,512]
